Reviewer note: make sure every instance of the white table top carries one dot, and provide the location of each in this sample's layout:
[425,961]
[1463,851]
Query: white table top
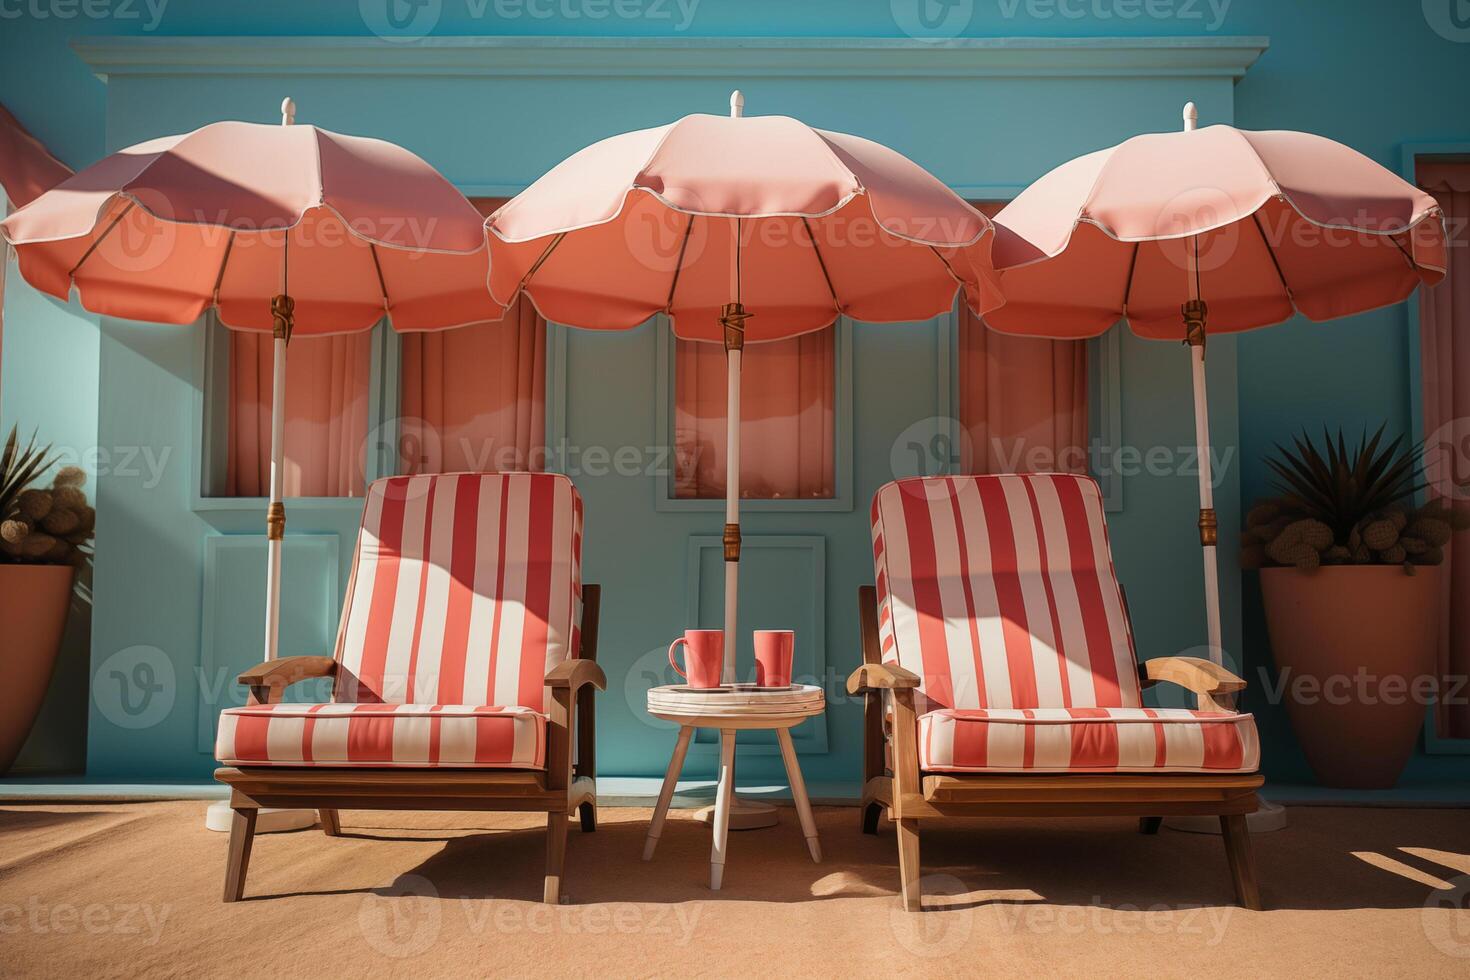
[736,707]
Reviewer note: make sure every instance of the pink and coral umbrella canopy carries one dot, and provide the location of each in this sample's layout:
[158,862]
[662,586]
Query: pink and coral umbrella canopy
[232,214]
[1286,222]
[826,224]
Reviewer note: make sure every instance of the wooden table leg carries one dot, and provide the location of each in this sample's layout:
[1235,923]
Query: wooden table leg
[798,794]
[666,793]
[722,808]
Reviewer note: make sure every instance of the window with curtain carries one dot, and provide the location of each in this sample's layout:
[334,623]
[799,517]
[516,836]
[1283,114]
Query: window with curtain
[328,381]
[1444,345]
[474,399]
[787,419]
[1022,400]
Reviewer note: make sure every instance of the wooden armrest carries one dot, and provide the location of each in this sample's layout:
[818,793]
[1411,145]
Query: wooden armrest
[1204,678]
[266,681]
[576,672]
[1192,674]
[881,677]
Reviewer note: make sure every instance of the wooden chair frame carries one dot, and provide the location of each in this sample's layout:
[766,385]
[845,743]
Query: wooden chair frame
[567,784]
[909,795]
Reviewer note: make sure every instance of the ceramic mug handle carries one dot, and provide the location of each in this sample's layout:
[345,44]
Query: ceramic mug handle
[674,663]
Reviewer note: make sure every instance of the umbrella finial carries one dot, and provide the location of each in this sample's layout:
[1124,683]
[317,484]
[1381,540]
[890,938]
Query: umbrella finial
[288,111]
[737,104]
[1191,117]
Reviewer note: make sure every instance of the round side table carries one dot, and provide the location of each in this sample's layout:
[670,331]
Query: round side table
[731,710]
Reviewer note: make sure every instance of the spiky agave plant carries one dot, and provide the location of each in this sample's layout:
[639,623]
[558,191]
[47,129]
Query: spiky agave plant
[48,525]
[1340,487]
[1338,505]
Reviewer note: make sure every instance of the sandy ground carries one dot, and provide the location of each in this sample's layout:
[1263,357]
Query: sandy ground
[128,890]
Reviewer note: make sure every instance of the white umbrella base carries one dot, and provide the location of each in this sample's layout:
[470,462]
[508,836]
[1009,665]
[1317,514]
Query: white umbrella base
[220,816]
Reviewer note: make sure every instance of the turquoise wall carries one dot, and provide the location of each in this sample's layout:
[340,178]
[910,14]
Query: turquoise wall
[171,593]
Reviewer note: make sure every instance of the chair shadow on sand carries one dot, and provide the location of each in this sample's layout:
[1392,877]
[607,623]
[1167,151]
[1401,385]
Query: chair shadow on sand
[1328,859]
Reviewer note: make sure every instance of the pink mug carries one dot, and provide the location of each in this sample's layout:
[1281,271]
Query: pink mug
[773,650]
[704,653]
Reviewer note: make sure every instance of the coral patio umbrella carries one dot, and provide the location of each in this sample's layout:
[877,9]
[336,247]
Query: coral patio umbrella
[1212,230]
[738,228]
[287,229]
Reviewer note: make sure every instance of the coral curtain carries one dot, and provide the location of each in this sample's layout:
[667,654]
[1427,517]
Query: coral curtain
[1022,401]
[787,441]
[327,384]
[474,399]
[1444,333]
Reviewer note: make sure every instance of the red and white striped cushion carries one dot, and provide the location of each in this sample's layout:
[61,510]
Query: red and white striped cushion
[466,589]
[1087,739]
[999,592]
[382,735]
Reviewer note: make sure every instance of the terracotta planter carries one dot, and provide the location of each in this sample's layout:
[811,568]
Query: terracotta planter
[1356,649]
[34,600]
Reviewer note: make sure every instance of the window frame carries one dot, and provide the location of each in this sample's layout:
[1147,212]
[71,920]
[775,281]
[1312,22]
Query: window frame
[664,500]
[210,419]
[1413,154]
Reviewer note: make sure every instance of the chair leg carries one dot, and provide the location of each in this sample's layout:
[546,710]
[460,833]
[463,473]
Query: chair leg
[1242,858]
[242,835]
[908,862]
[331,822]
[588,812]
[556,855]
[1149,825]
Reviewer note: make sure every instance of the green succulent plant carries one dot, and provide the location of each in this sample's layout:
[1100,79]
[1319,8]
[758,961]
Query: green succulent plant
[1336,505]
[41,525]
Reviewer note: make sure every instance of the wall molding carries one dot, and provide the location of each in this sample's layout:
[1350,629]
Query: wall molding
[664,57]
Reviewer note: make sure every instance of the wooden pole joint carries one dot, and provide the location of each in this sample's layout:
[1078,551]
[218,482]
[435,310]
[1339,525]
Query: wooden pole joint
[732,542]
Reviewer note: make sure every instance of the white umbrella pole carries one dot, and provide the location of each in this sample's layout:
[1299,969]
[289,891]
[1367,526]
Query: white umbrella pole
[1270,816]
[1194,323]
[733,321]
[732,499]
[219,815]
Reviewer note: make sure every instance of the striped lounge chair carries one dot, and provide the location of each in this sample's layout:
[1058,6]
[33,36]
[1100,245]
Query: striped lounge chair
[1000,676]
[462,677]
